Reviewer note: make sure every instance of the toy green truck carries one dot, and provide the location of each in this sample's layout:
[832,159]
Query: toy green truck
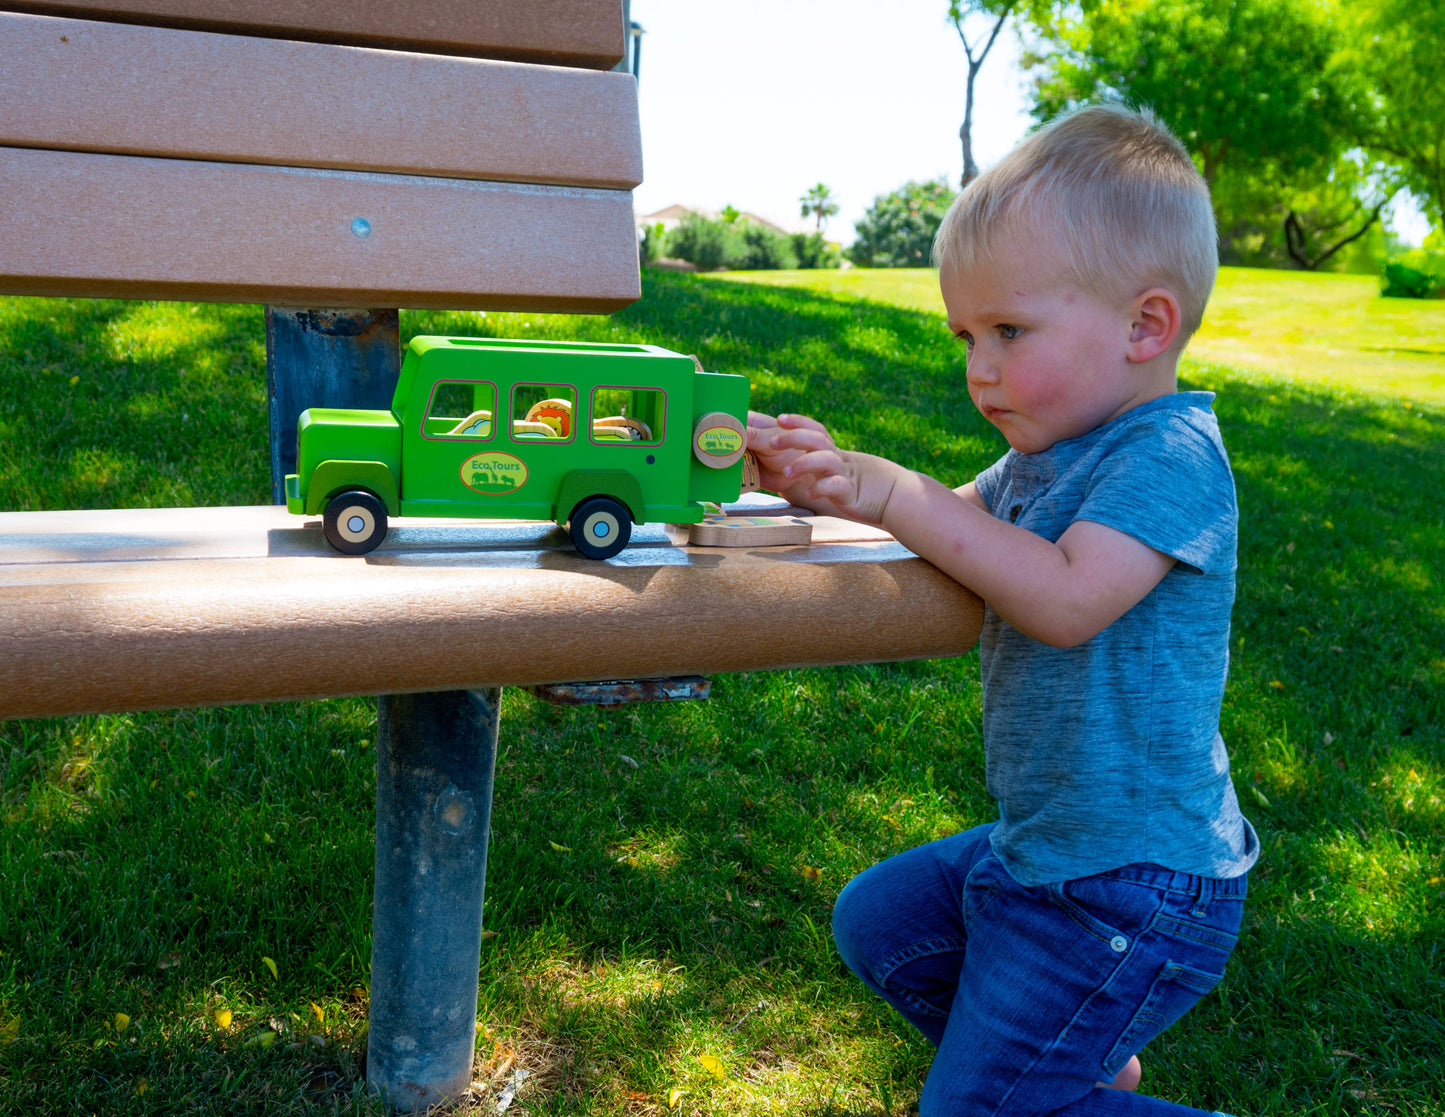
[593,436]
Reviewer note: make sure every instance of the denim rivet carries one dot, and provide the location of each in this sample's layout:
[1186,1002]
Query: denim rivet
[1119,944]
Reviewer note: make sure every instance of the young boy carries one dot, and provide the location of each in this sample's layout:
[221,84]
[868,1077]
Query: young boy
[1040,953]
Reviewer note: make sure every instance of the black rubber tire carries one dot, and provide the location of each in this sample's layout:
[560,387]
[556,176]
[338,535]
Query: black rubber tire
[355,522]
[600,527]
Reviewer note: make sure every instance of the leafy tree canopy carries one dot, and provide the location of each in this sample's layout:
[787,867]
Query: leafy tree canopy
[1251,84]
[1272,96]
[1399,45]
[898,229]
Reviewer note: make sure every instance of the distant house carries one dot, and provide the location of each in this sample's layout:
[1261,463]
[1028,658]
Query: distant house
[670,217]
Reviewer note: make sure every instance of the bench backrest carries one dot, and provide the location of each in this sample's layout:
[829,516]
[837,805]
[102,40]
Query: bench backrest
[254,158]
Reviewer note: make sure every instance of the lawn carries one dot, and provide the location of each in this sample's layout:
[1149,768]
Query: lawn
[1319,328]
[185,896]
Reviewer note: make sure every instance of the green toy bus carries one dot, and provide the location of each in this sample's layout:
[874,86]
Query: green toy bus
[590,435]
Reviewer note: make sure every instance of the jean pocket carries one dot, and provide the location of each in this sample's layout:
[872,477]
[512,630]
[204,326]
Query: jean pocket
[1175,991]
[1105,908]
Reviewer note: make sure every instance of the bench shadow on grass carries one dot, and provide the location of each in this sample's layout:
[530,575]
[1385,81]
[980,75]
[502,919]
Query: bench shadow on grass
[107,404]
[677,919]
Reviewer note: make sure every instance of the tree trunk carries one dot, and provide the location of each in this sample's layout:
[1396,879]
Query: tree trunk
[965,132]
[1296,238]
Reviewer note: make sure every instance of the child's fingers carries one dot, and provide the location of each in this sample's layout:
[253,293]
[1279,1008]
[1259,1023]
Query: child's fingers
[776,482]
[834,487]
[801,422]
[823,463]
[800,439]
[757,419]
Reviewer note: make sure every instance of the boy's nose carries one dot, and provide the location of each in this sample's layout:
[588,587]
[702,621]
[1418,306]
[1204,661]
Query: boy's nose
[979,371]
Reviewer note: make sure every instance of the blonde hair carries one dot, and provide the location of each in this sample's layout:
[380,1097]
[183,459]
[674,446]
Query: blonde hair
[1112,191]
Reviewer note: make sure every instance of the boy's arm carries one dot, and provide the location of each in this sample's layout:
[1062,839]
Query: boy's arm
[1060,593]
[971,494]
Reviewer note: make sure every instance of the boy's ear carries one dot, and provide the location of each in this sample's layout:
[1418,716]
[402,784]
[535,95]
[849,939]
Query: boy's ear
[1154,325]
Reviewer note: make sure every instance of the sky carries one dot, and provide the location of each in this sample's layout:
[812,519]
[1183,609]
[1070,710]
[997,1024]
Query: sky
[750,103]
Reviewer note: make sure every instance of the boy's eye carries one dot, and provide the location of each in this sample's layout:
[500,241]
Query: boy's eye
[1008,333]
[965,337]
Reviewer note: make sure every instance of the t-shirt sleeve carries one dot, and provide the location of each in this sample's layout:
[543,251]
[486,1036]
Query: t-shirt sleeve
[989,480]
[1170,487]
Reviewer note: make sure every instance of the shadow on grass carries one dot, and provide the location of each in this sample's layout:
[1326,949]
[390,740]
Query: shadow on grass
[149,862]
[108,404]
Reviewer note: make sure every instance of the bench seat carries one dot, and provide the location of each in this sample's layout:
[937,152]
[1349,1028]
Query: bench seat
[147,609]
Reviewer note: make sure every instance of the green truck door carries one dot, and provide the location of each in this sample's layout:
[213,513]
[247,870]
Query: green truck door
[469,450]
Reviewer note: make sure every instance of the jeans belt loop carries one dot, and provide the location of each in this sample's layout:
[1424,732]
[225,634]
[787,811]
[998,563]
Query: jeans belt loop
[1202,898]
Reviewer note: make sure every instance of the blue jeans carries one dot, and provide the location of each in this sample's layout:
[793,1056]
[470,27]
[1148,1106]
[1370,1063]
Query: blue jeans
[1032,995]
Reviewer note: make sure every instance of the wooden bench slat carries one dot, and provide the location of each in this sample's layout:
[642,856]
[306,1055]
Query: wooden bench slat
[87,86]
[587,33]
[87,626]
[112,226]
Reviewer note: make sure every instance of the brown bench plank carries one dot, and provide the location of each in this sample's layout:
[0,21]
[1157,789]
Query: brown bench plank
[113,226]
[125,610]
[87,86]
[586,33]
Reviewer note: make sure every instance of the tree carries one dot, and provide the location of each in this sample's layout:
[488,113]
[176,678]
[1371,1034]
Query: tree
[1308,222]
[993,14]
[1335,212]
[818,201]
[1247,83]
[1262,91]
[898,229]
[1397,45]
[996,11]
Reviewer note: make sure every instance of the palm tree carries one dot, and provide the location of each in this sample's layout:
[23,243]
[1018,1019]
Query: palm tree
[819,201]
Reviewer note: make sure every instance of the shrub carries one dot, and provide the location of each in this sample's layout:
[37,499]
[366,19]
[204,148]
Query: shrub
[653,245]
[1404,282]
[815,252]
[765,249]
[898,229]
[716,242]
[705,241]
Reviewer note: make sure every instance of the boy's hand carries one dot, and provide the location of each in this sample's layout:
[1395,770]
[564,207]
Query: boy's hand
[773,461]
[800,460]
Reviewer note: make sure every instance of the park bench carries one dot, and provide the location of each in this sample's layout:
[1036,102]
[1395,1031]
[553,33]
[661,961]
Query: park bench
[334,161]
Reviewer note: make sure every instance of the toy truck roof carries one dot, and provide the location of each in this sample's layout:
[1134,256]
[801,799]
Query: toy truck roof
[430,358]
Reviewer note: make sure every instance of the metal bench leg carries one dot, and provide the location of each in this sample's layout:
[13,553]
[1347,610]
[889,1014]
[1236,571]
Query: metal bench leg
[434,764]
[435,755]
[325,358]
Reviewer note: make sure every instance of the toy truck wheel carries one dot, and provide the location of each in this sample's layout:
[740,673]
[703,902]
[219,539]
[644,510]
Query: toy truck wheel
[600,527]
[354,522]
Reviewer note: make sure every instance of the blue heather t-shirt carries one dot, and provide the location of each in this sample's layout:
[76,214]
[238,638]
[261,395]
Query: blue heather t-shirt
[1109,753]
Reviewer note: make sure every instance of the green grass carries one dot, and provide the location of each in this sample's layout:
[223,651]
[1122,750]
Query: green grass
[148,862]
[1333,330]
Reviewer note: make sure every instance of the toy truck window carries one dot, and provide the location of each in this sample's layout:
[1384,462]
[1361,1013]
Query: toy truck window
[623,416]
[543,413]
[461,409]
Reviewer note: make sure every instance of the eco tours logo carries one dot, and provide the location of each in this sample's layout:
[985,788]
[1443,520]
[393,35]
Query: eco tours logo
[494,473]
